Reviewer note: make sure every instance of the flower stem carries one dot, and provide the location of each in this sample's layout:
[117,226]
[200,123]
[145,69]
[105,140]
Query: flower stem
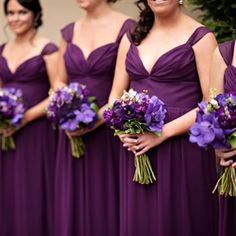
[7,143]
[227,183]
[77,147]
[143,170]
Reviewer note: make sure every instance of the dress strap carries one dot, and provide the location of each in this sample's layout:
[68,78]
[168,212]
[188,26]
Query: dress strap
[49,49]
[67,32]
[227,51]
[127,27]
[1,48]
[198,34]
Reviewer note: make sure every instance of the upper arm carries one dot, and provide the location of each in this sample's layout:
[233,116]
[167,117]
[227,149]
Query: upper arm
[61,74]
[203,54]
[51,65]
[121,79]
[218,67]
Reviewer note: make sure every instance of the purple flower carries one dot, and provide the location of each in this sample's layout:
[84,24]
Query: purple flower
[222,99]
[155,114]
[70,108]
[137,110]
[215,121]
[11,107]
[129,111]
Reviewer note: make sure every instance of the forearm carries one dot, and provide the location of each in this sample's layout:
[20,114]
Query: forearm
[180,125]
[35,112]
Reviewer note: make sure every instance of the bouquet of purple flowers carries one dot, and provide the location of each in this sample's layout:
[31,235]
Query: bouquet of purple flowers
[216,126]
[11,113]
[71,108]
[136,113]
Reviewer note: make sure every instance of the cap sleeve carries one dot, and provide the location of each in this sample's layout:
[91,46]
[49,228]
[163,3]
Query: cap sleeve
[127,28]
[67,32]
[198,34]
[49,49]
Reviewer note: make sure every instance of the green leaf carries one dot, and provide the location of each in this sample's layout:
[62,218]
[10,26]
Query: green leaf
[94,107]
[232,139]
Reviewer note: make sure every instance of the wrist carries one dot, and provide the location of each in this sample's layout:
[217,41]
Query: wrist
[166,132]
[26,119]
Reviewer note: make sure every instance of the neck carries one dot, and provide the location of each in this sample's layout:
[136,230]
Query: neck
[168,21]
[26,37]
[98,12]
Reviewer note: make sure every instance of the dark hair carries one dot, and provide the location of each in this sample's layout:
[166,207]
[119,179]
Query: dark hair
[112,1]
[32,5]
[145,22]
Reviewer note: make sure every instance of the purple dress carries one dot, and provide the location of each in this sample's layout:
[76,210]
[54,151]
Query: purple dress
[87,197]
[27,173]
[180,203]
[227,219]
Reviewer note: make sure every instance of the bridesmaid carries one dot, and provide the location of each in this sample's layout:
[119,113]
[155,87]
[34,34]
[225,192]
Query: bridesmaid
[168,55]
[223,78]
[87,188]
[27,173]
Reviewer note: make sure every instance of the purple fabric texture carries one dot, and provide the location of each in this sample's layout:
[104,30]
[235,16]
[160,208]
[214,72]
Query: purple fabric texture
[180,203]
[27,173]
[87,197]
[228,204]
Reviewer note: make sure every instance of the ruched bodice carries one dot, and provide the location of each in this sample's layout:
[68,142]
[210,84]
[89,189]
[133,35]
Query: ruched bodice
[227,52]
[186,174]
[27,173]
[30,76]
[173,77]
[97,70]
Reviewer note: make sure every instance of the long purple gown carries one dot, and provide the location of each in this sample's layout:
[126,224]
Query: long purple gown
[87,197]
[227,219]
[27,173]
[180,203]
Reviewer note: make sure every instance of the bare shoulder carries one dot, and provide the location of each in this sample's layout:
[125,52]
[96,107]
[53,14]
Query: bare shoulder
[190,24]
[119,18]
[41,42]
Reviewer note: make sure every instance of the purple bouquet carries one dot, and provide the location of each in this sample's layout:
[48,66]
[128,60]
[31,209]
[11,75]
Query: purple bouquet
[216,126]
[11,113]
[71,108]
[136,113]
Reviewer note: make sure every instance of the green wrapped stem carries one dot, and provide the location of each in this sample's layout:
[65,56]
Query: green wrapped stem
[226,184]
[7,143]
[143,170]
[77,147]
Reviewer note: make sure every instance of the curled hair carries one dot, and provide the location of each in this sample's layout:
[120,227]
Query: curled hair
[145,22]
[31,5]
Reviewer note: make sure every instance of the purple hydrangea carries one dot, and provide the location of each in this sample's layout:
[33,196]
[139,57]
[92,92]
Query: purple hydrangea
[215,122]
[155,114]
[136,108]
[11,107]
[71,107]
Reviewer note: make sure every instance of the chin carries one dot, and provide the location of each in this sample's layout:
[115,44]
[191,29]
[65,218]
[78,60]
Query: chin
[20,32]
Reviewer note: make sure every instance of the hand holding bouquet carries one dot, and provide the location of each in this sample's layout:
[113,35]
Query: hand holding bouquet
[11,113]
[136,113]
[216,126]
[72,108]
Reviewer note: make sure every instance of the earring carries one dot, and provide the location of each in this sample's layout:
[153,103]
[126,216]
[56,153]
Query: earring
[181,2]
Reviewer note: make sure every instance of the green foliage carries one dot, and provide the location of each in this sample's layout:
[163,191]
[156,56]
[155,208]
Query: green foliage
[219,16]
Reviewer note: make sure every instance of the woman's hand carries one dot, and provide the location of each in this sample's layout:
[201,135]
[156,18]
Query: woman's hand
[82,131]
[224,154]
[10,130]
[78,132]
[139,144]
